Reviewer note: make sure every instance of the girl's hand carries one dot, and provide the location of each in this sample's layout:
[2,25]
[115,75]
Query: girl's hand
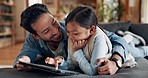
[79,45]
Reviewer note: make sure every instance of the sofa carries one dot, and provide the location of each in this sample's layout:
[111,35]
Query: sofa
[138,29]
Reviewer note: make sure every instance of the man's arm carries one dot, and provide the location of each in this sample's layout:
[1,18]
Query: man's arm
[119,48]
[28,52]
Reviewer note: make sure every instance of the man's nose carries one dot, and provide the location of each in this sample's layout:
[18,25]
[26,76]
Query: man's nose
[54,30]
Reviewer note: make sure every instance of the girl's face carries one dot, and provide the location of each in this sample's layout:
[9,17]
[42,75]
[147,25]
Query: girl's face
[76,32]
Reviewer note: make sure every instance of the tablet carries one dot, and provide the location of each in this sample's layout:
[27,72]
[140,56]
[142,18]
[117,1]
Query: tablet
[50,69]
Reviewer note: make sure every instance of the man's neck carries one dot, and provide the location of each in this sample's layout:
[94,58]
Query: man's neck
[53,45]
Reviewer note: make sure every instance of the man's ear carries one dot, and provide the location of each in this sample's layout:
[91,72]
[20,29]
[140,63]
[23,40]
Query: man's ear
[35,36]
[92,29]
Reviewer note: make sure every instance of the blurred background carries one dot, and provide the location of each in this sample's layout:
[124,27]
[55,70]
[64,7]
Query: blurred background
[12,35]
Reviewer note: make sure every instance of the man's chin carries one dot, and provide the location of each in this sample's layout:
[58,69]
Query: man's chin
[53,41]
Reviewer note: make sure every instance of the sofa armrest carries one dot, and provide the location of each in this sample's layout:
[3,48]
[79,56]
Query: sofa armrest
[140,29]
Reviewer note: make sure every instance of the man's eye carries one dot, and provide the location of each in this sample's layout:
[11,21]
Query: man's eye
[54,23]
[67,33]
[46,31]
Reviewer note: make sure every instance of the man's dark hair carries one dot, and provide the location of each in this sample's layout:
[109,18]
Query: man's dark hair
[31,14]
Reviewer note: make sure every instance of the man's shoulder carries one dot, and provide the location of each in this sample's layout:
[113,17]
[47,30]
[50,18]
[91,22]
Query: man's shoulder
[31,40]
[30,37]
[62,23]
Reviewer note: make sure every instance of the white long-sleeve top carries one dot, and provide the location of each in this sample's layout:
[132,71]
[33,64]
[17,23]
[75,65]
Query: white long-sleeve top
[98,46]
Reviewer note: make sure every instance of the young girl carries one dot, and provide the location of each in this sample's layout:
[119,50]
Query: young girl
[86,41]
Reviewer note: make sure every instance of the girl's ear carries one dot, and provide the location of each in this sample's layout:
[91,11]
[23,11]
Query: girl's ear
[92,30]
[35,36]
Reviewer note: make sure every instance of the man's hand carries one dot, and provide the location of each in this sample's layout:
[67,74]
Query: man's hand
[23,59]
[54,61]
[108,67]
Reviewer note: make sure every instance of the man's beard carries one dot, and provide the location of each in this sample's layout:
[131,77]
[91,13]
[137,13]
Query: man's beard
[51,41]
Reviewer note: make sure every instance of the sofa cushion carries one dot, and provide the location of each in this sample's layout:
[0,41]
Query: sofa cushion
[115,26]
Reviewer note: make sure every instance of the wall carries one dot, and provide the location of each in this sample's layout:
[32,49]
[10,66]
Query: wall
[144,16]
[52,7]
[20,5]
[31,2]
[20,33]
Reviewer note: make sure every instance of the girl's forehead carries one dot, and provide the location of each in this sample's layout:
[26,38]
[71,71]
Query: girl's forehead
[72,25]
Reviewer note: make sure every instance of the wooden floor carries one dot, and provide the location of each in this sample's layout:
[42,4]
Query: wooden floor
[8,54]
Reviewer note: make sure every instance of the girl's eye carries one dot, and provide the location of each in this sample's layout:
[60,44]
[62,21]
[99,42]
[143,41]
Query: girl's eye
[75,34]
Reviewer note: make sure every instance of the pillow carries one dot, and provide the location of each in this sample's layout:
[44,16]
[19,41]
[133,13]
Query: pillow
[131,37]
[115,26]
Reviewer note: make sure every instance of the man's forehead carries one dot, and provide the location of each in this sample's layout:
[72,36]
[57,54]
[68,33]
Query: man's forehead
[43,20]
[47,15]
[51,18]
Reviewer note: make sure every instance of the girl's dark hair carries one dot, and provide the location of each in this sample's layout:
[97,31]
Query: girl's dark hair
[31,14]
[83,15]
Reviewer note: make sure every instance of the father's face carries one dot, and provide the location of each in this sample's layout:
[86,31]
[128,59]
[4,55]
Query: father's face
[47,28]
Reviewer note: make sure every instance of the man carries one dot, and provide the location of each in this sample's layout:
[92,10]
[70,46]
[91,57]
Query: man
[47,38]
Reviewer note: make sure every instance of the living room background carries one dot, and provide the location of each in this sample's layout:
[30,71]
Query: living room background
[107,10]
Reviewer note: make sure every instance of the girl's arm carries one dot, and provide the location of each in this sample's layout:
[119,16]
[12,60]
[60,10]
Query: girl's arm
[99,51]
